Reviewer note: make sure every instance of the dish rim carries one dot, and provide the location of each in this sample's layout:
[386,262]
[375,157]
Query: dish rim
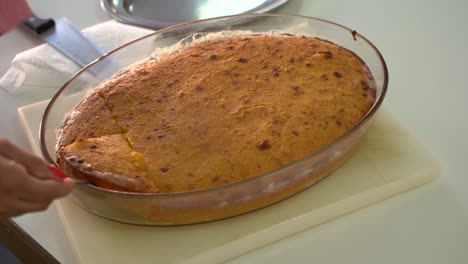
[317,152]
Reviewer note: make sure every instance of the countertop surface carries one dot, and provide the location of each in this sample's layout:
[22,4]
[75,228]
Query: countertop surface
[424,44]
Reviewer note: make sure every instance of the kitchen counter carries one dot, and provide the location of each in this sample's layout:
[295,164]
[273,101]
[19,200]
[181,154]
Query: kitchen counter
[424,44]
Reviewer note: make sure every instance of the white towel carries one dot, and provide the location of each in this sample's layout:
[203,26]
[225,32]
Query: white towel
[44,67]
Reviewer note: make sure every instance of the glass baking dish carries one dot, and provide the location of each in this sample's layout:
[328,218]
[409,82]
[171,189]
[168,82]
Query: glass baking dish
[231,199]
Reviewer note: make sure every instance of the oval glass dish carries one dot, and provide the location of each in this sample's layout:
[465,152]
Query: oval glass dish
[232,199]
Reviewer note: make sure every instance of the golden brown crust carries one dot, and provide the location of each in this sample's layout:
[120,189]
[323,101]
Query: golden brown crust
[94,160]
[223,111]
[83,123]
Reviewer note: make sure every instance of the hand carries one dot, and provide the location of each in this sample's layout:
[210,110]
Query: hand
[27,184]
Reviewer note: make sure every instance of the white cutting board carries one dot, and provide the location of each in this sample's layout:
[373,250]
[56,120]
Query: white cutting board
[389,162]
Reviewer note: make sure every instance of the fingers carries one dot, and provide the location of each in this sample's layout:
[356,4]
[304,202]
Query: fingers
[21,191]
[45,190]
[18,207]
[12,176]
[33,164]
[18,182]
[25,207]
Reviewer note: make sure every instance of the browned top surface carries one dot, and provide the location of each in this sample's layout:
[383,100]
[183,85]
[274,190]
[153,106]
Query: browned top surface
[220,112]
